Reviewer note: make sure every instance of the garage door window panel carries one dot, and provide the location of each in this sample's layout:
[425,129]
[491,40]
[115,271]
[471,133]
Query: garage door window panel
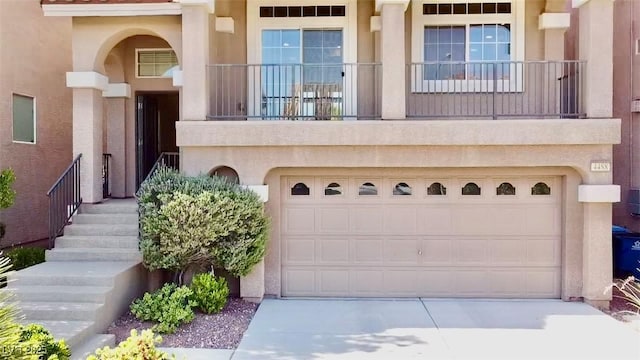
[541,188]
[506,189]
[368,189]
[471,189]
[300,189]
[333,189]
[436,189]
[402,189]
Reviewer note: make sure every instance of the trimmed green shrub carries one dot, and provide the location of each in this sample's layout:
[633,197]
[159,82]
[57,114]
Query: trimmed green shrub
[7,194]
[169,307]
[22,258]
[37,341]
[209,292]
[201,221]
[135,347]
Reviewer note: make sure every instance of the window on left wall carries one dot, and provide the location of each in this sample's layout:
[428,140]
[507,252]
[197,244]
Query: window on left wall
[24,118]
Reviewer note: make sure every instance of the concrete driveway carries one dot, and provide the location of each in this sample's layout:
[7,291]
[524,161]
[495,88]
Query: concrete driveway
[434,329]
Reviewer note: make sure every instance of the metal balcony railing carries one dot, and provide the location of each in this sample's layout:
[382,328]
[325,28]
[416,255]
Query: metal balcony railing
[525,89]
[294,91]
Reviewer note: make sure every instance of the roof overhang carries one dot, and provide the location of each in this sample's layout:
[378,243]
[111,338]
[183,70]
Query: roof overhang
[140,9]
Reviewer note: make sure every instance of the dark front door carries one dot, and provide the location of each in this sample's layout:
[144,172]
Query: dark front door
[155,129]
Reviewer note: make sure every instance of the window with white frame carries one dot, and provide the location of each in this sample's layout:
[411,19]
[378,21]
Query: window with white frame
[155,63]
[467,45]
[24,118]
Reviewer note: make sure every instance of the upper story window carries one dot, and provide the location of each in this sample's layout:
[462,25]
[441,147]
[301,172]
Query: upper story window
[480,42]
[24,118]
[155,63]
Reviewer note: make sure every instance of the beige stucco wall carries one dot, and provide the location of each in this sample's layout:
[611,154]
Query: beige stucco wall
[34,56]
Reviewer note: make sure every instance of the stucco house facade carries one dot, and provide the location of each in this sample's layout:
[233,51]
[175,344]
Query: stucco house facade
[35,113]
[404,148]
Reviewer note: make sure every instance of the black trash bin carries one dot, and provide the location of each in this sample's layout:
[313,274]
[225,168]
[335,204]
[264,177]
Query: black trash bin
[626,252]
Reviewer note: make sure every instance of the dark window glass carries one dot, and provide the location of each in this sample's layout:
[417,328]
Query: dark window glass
[308,11]
[333,189]
[504,8]
[402,189]
[471,189]
[338,11]
[430,9]
[300,189]
[436,189]
[489,8]
[324,11]
[505,189]
[266,11]
[475,8]
[368,189]
[444,9]
[280,11]
[459,9]
[540,189]
[295,11]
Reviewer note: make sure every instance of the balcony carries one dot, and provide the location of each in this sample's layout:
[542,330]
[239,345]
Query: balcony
[438,90]
[493,90]
[294,91]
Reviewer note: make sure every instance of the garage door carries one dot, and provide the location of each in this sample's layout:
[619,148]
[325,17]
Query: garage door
[364,236]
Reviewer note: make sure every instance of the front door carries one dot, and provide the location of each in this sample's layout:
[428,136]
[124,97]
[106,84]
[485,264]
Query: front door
[155,129]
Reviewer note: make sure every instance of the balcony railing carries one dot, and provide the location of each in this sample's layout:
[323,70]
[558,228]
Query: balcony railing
[526,89]
[294,91]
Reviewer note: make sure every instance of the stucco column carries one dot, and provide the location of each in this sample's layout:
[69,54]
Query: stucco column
[392,56]
[195,58]
[596,48]
[597,273]
[554,26]
[87,130]
[116,136]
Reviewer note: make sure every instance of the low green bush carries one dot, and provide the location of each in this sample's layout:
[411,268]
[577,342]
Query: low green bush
[24,257]
[135,347]
[169,307]
[209,292]
[38,342]
[201,221]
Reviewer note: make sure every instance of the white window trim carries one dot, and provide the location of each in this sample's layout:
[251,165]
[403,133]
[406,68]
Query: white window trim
[256,24]
[35,123]
[419,21]
[139,50]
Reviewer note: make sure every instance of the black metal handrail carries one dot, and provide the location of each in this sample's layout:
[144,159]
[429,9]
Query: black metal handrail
[64,200]
[106,167]
[168,159]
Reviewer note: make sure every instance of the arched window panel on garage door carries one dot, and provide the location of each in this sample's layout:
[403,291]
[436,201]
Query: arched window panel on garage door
[402,189]
[436,189]
[471,189]
[300,189]
[333,189]
[541,188]
[368,189]
[505,189]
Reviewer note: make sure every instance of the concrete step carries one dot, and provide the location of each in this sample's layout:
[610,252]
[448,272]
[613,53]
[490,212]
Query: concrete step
[73,332]
[101,230]
[60,311]
[88,347]
[110,207]
[35,293]
[106,219]
[94,242]
[88,254]
[71,273]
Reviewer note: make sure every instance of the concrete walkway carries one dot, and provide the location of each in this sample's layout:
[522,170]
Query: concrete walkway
[434,329]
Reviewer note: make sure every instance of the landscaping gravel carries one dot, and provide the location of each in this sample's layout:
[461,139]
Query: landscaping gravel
[217,331]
